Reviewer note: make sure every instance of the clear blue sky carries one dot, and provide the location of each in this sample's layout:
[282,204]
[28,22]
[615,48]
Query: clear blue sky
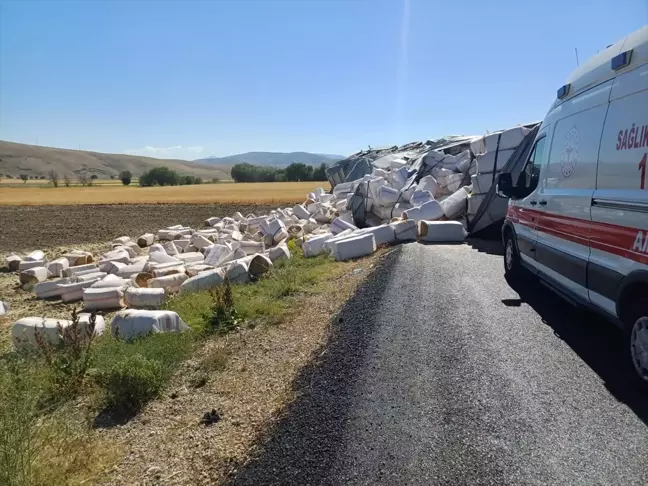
[195,78]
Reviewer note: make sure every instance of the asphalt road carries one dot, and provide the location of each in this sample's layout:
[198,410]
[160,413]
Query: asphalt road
[440,373]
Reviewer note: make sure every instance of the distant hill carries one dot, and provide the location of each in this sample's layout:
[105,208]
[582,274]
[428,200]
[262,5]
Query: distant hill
[34,160]
[279,159]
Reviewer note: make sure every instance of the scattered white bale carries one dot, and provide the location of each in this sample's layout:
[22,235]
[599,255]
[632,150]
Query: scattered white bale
[194,269]
[32,276]
[315,245]
[52,288]
[199,241]
[109,281]
[429,211]
[13,262]
[119,255]
[27,264]
[4,308]
[122,240]
[141,279]
[78,257]
[56,267]
[175,227]
[130,270]
[259,265]
[295,231]
[383,234]
[164,271]
[217,254]
[203,281]
[170,283]
[442,231]
[279,252]
[428,183]
[103,298]
[329,243]
[147,239]
[70,271]
[252,247]
[132,248]
[301,212]
[162,257]
[155,248]
[455,205]
[133,322]
[172,249]
[74,291]
[421,197]
[144,298]
[24,331]
[238,272]
[112,267]
[168,235]
[191,257]
[353,247]
[35,256]
[405,230]
[90,276]
[339,225]
[212,221]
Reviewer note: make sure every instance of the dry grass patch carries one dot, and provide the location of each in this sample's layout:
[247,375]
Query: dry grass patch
[255,193]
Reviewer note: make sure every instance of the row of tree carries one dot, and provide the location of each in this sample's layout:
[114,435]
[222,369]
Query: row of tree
[294,172]
[163,176]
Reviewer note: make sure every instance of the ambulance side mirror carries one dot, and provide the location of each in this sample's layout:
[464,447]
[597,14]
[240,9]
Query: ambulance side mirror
[505,185]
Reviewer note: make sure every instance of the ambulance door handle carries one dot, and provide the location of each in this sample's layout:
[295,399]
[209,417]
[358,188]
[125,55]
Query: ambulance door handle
[533,203]
[543,203]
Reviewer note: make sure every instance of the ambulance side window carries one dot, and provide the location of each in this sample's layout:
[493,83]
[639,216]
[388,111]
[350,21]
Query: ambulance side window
[530,175]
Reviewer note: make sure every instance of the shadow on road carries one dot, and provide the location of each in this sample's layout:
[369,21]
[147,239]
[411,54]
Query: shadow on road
[598,342]
[491,246]
[302,446]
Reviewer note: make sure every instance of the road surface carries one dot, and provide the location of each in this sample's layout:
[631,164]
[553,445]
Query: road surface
[440,373]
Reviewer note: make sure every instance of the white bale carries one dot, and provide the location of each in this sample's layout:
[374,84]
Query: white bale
[132,269]
[170,283]
[4,308]
[508,139]
[344,234]
[32,276]
[194,269]
[428,183]
[35,256]
[199,241]
[144,298]
[454,206]
[420,197]
[474,203]
[429,211]
[259,265]
[163,271]
[217,255]
[103,298]
[112,267]
[339,225]
[175,227]
[24,331]
[442,231]
[172,248]
[90,276]
[159,257]
[315,245]
[156,248]
[27,264]
[301,212]
[78,257]
[279,252]
[252,247]
[13,262]
[386,196]
[147,239]
[405,230]
[68,272]
[131,323]
[481,183]
[49,289]
[74,291]
[122,240]
[383,234]
[56,267]
[109,281]
[116,255]
[168,235]
[191,257]
[237,272]
[353,247]
[212,221]
[204,281]
[295,231]
[132,248]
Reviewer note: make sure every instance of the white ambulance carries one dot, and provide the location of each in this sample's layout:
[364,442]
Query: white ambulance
[578,213]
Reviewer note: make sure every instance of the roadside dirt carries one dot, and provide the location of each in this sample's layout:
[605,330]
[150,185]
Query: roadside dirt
[40,227]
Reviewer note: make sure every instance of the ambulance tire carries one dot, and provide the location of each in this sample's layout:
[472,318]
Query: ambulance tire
[638,341]
[512,264]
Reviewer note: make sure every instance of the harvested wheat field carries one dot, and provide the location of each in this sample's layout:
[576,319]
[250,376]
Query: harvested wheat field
[274,193]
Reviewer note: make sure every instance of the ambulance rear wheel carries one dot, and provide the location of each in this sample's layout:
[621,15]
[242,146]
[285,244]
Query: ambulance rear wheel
[512,265]
[639,343]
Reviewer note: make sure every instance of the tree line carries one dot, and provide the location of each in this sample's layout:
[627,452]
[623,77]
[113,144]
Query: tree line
[296,171]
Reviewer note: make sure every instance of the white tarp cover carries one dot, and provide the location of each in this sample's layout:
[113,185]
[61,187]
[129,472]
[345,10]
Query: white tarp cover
[204,281]
[23,332]
[339,225]
[131,323]
[144,298]
[442,231]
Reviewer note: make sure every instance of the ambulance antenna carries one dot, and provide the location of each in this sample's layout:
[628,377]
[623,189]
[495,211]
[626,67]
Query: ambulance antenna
[577,62]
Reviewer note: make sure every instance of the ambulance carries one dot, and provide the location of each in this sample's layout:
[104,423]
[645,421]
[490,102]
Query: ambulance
[578,212]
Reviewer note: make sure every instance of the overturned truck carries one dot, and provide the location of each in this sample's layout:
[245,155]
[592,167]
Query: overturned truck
[453,178]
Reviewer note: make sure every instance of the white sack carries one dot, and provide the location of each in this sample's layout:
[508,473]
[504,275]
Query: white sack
[429,211]
[27,264]
[78,257]
[103,298]
[131,323]
[199,241]
[144,298]
[89,276]
[23,332]
[252,247]
[442,231]
[4,308]
[405,230]
[32,276]
[74,291]
[420,197]
[259,265]
[170,283]
[204,281]
[279,252]
[49,289]
[109,281]
[194,269]
[486,163]
[13,262]
[191,257]
[315,245]
[68,272]
[56,267]
[354,247]
[455,205]
[164,271]
[509,139]
[481,183]
[147,239]
[212,221]
[383,234]
[339,225]
[428,183]
[113,267]
[121,240]
[132,269]
[474,202]
[237,272]
[35,256]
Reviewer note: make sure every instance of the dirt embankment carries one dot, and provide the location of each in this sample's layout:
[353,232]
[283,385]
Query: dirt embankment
[31,227]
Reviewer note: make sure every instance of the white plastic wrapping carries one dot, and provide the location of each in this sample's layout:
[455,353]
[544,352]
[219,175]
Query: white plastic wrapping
[23,332]
[405,230]
[315,245]
[51,288]
[147,239]
[430,211]
[279,252]
[109,281]
[454,206]
[259,265]
[339,225]
[103,298]
[353,247]
[56,267]
[68,272]
[27,264]
[13,262]
[32,276]
[35,256]
[131,323]
[203,281]
[144,298]
[170,283]
[442,231]
[237,272]
[383,234]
